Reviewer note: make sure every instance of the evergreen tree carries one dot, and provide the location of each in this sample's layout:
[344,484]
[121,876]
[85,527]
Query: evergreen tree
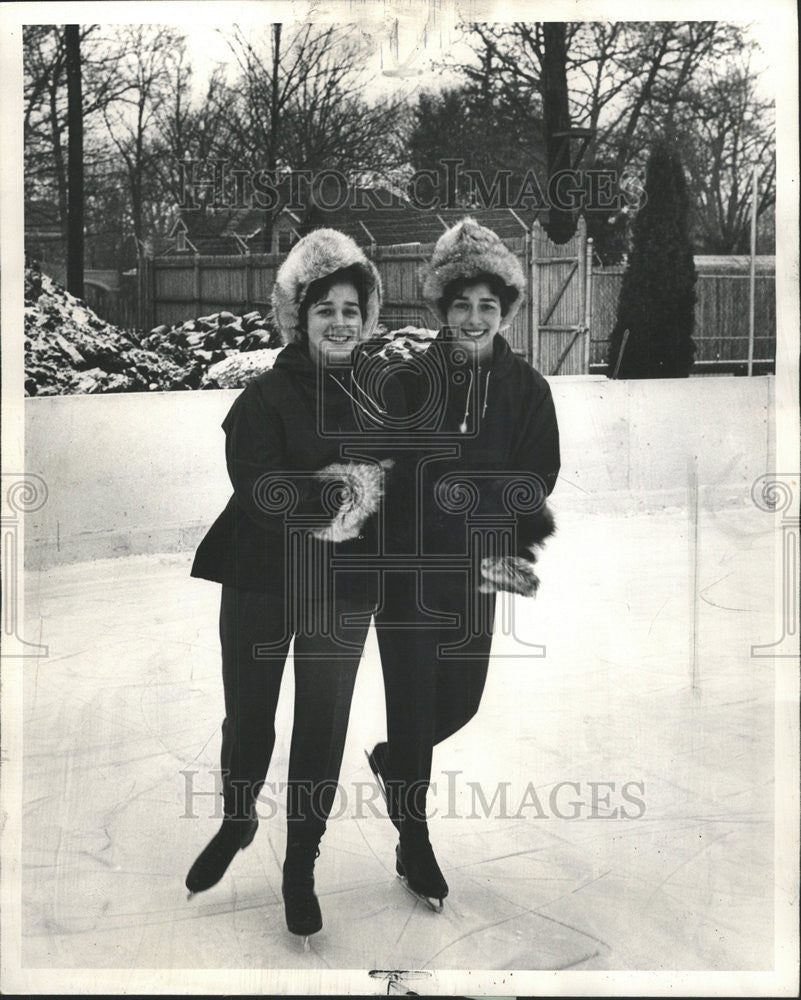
[657,297]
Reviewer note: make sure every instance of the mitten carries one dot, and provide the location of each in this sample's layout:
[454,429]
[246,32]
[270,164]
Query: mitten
[511,573]
[361,492]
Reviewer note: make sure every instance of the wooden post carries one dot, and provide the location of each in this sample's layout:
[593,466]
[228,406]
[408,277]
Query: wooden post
[531,338]
[141,279]
[588,307]
[151,293]
[198,300]
[581,262]
[534,280]
[528,312]
[752,275]
[248,283]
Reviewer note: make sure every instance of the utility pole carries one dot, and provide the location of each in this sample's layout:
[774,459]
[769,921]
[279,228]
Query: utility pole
[272,159]
[752,272]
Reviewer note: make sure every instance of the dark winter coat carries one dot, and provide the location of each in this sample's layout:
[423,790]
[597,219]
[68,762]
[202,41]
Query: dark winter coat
[286,439]
[499,424]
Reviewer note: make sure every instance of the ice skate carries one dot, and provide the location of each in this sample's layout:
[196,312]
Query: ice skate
[417,867]
[301,907]
[213,861]
[377,759]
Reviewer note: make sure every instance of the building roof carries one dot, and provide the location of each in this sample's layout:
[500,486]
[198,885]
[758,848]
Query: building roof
[369,215]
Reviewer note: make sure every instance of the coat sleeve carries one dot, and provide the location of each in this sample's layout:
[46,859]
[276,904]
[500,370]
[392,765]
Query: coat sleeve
[537,452]
[538,449]
[337,498]
[535,459]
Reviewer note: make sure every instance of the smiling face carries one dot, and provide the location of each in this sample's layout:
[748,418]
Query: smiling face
[474,316]
[334,324]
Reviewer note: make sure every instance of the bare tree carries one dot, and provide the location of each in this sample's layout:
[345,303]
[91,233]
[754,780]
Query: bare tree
[620,74]
[45,115]
[301,103]
[189,129]
[630,82]
[131,121]
[727,130]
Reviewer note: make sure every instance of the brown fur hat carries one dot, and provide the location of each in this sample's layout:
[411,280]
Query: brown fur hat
[468,250]
[318,254]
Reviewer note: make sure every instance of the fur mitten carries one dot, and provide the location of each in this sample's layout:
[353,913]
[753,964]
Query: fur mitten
[511,573]
[362,490]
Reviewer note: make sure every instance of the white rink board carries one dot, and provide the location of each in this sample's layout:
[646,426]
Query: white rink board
[145,472]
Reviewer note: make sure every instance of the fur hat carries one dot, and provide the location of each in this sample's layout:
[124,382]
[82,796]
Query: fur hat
[467,250]
[318,254]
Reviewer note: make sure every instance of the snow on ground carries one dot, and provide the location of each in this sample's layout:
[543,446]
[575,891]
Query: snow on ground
[122,717]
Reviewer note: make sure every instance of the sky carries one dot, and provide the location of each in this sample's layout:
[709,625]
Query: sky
[406,51]
[403,57]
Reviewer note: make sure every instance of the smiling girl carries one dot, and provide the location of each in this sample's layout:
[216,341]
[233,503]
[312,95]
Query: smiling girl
[485,466]
[296,506]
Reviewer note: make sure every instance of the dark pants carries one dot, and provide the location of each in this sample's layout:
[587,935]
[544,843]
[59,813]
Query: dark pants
[326,658]
[434,673]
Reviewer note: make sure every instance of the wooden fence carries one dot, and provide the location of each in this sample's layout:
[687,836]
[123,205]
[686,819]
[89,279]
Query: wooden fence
[721,318]
[180,288]
[574,302]
[173,289]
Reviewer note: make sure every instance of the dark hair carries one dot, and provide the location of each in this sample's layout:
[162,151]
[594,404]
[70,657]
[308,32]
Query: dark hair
[318,290]
[506,295]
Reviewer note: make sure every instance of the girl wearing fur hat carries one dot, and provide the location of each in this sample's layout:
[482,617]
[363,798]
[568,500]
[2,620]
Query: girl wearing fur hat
[280,549]
[488,456]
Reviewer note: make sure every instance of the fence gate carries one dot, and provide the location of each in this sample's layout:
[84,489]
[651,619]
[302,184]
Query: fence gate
[560,288]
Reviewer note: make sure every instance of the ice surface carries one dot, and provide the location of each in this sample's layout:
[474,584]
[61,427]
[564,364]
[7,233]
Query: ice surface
[130,697]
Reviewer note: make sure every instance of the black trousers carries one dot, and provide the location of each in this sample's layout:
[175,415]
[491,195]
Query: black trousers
[434,672]
[255,634]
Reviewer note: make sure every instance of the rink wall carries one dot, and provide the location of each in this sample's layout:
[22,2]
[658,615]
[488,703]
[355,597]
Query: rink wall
[145,472]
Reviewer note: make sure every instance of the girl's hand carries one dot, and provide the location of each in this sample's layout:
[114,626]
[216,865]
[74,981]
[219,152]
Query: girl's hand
[510,573]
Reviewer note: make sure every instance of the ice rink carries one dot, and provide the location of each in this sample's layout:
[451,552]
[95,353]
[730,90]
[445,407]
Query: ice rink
[647,682]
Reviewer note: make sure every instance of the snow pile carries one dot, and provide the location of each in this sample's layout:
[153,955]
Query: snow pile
[236,371]
[69,350]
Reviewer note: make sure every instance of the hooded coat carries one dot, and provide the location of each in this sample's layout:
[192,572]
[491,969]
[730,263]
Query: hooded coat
[486,450]
[495,418]
[284,440]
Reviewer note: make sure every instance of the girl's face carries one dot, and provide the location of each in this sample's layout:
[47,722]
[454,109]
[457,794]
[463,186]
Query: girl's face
[334,324]
[475,317]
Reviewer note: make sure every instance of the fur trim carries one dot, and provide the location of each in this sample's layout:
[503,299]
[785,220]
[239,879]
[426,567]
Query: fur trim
[465,251]
[364,488]
[510,573]
[537,528]
[321,252]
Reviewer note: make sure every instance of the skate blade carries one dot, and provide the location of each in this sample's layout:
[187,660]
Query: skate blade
[303,940]
[435,905]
